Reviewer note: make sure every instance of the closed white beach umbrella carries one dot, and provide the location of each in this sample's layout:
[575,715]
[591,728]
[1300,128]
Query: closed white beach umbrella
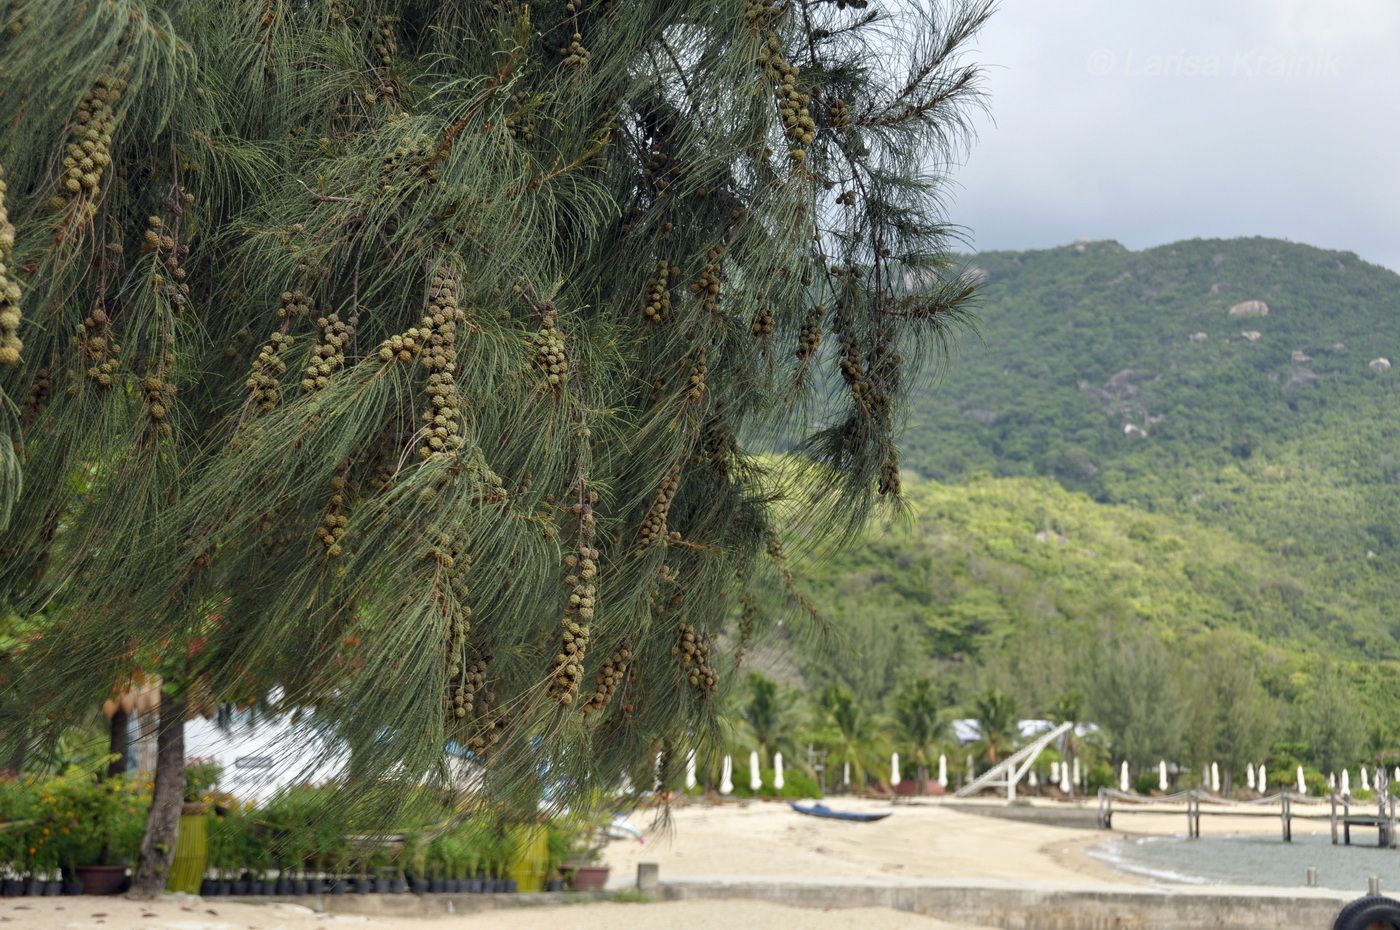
[656,781]
[1302,782]
[1215,777]
[894,768]
[1263,779]
[943,772]
[690,781]
[1332,780]
[1162,775]
[726,778]
[778,771]
[1123,776]
[1064,778]
[1075,779]
[1365,782]
[1249,775]
[1032,780]
[1397,773]
[846,774]
[755,777]
[1054,773]
[1346,782]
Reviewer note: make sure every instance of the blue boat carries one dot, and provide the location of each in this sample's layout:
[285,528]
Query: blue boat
[821,810]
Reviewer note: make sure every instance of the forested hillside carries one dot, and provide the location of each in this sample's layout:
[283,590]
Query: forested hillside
[1136,468]
[1150,379]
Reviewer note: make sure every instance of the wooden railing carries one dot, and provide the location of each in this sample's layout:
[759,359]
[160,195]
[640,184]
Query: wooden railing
[1198,802]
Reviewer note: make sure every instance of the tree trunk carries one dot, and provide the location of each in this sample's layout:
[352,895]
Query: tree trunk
[922,780]
[119,741]
[163,821]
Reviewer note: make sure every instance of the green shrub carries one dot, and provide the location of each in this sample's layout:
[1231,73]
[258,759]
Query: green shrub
[796,785]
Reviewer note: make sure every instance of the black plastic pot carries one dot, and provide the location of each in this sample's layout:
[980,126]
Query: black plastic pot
[72,886]
[300,886]
[12,888]
[223,887]
[364,884]
[242,887]
[338,886]
[381,886]
[398,885]
[511,886]
[554,884]
[437,885]
[207,888]
[34,888]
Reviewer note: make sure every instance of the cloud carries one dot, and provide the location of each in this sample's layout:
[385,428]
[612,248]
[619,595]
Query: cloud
[1153,121]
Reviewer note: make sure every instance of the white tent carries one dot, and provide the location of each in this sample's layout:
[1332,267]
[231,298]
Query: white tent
[943,772]
[726,778]
[1123,776]
[894,768]
[778,771]
[690,780]
[755,776]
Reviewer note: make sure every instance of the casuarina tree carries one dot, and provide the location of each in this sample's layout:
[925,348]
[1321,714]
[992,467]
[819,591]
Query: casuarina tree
[409,358]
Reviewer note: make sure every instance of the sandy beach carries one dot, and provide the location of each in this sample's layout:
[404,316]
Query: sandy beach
[120,914]
[732,841]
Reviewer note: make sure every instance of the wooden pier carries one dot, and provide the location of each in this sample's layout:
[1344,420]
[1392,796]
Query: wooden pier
[1286,806]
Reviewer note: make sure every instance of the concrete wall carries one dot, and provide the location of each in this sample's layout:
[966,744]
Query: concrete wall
[1054,907]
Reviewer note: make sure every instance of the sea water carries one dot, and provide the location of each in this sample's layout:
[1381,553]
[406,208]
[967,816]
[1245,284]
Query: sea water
[1255,860]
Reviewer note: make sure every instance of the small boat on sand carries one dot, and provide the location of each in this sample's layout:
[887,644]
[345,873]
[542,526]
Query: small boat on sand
[821,810]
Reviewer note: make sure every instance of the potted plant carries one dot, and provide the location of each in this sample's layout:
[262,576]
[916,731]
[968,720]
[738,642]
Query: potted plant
[92,829]
[559,840]
[585,860]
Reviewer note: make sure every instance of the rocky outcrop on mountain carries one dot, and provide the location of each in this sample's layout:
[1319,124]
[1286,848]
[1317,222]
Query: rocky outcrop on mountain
[1301,377]
[1250,308]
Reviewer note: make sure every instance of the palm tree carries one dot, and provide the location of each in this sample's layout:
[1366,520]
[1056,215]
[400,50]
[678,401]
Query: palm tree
[916,713]
[996,714]
[848,731]
[765,716]
[1069,708]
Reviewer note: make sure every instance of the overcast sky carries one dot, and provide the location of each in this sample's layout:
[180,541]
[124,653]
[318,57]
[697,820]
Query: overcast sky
[1149,121]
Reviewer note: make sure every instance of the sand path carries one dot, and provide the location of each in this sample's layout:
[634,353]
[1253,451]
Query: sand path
[120,914]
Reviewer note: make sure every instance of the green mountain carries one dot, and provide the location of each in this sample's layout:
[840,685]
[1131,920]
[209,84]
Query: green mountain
[1145,461]
[1151,379]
